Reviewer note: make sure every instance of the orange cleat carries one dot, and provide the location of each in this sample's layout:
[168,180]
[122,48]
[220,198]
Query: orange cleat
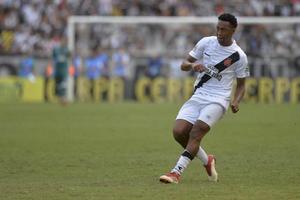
[211,169]
[171,177]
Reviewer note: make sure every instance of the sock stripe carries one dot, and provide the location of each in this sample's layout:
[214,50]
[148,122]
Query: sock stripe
[187,154]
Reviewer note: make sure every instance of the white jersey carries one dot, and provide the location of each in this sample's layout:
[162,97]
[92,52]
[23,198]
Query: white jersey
[224,64]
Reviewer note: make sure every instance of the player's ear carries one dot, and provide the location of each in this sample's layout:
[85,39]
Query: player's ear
[233,30]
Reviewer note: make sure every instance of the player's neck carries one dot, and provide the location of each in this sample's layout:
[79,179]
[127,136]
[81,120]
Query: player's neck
[226,43]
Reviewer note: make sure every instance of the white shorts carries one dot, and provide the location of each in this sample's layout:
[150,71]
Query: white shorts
[207,112]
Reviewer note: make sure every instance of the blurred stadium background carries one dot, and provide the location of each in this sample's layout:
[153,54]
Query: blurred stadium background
[93,150]
[141,61]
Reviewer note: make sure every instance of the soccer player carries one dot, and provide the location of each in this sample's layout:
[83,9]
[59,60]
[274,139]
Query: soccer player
[60,56]
[27,67]
[218,60]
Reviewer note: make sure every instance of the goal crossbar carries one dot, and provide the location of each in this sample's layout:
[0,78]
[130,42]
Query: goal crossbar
[72,20]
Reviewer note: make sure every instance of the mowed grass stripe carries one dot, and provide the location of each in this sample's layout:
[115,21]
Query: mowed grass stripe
[118,151]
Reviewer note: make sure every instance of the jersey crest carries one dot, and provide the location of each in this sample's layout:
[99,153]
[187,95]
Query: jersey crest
[227,62]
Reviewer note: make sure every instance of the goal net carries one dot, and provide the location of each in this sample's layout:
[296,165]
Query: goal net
[140,56]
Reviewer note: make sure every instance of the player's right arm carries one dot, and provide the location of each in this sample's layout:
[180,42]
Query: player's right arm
[195,54]
[189,64]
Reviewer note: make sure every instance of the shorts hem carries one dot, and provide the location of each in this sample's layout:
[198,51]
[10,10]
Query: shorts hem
[190,121]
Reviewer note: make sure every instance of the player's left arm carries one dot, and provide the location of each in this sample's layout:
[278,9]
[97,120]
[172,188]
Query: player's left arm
[242,72]
[238,95]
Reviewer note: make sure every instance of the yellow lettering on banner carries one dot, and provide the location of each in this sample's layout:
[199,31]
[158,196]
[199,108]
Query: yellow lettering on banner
[174,90]
[251,88]
[116,90]
[32,91]
[141,87]
[265,90]
[100,89]
[188,87]
[295,91]
[282,87]
[158,90]
[84,89]
[10,89]
[50,90]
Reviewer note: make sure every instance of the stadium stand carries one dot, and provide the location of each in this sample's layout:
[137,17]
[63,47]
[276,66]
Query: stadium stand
[37,25]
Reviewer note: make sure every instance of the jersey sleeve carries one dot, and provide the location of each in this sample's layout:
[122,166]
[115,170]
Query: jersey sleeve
[197,51]
[242,69]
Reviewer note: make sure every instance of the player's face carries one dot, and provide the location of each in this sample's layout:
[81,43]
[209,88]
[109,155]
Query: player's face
[224,32]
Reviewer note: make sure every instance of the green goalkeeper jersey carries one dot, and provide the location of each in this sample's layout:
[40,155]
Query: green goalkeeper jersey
[60,57]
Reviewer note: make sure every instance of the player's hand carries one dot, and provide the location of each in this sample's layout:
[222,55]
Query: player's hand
[197,67]
[234,107]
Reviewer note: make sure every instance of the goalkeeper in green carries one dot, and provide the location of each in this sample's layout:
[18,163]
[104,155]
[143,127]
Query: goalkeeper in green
[60,58]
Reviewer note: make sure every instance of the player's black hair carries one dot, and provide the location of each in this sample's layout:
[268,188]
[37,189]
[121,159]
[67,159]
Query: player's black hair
[229,18]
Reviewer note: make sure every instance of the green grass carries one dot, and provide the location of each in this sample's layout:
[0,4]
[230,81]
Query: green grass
[118,151]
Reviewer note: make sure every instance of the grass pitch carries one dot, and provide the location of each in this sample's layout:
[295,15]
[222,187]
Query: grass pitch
[118,151]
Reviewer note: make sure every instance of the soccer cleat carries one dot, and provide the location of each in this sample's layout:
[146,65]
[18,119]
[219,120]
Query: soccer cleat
[171,177]
[211,169]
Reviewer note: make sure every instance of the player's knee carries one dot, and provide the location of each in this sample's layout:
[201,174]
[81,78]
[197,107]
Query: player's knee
[178,132]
